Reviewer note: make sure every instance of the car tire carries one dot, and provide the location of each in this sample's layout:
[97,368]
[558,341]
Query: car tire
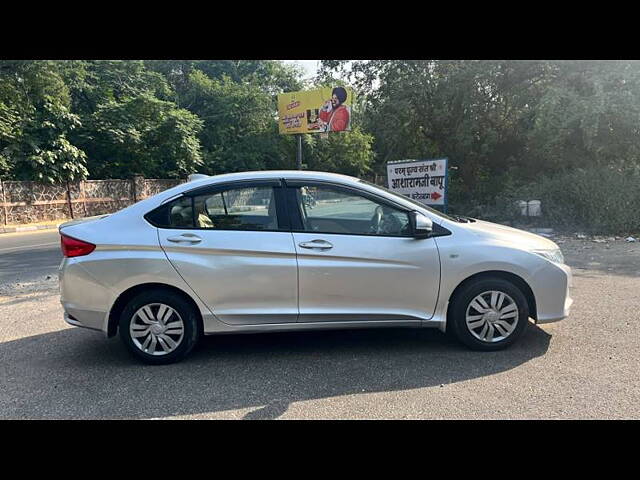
[163,321]
[468,314]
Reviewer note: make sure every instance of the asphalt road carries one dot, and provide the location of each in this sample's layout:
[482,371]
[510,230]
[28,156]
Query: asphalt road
[28,256]
[583,367]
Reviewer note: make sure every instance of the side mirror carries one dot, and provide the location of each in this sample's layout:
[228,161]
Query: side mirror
[422,225]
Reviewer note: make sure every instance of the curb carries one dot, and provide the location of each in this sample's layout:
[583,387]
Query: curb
[29,228]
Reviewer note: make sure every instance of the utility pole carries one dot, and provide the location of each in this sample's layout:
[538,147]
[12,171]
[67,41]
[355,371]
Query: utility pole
[299,152]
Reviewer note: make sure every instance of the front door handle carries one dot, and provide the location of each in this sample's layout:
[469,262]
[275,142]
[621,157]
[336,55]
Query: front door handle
[316,244]
[186,238]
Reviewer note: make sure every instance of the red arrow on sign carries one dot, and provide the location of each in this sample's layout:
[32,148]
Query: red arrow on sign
[435,196]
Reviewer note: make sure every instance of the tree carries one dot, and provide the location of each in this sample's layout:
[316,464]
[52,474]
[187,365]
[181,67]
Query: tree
[349,153]
[588,116]
[65,120]
[130,121]
[473,112]
[35,123]
[270,76]
[142,135]
[239,121]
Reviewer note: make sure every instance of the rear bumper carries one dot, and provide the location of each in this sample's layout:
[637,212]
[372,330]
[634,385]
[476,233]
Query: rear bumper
[84,320]
[84,300]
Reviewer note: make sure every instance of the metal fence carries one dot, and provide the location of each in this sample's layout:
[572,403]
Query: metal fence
[30,202]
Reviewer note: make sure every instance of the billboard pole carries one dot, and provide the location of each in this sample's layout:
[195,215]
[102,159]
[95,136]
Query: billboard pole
[299,152]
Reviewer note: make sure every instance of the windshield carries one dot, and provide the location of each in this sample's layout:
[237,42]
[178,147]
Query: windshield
[421,205]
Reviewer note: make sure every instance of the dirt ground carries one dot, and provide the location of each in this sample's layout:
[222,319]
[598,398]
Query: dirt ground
[602,254]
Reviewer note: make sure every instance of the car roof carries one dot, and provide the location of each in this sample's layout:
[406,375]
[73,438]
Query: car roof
[146,205]
[272,174]
[166,195]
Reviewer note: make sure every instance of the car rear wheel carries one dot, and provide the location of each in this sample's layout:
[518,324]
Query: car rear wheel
[159,327]
[488,314]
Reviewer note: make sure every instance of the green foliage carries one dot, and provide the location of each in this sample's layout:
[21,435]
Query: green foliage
[511,129]
[92,83]
[468,111]
[508,124]
[142,135]
[9,132]
[588,115]
[65,120]
[130,123]
[270,76]
[349,153]
[35,122]
[592,199]
[238,120]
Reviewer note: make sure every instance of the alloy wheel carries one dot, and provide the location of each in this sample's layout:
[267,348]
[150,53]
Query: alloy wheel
[492,316]
[156,329]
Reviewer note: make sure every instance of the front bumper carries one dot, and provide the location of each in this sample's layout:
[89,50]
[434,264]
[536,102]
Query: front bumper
[551,288]
[565,313]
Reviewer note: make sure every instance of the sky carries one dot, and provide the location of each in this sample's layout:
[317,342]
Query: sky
[310,66]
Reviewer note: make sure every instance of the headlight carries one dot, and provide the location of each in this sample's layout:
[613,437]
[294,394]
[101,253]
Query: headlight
[554,255]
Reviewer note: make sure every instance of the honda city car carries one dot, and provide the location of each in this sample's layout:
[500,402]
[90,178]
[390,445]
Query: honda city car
[275,251]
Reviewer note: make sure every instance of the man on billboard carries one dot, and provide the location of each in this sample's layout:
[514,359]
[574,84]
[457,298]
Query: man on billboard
[334,116]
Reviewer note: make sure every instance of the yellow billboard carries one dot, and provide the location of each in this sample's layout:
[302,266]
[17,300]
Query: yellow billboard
[315,111]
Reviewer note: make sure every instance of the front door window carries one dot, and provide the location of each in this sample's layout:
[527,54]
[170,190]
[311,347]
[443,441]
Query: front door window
[326,209]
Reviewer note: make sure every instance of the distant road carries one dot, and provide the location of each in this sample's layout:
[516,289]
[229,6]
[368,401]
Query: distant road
[29,255]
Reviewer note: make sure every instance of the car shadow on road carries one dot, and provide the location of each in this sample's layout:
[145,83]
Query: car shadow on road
[76,373]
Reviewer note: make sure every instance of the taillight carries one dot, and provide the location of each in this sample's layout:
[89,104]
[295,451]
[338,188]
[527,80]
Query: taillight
[72,247]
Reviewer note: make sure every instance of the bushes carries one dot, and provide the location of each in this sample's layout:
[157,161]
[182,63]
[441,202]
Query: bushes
[594,200]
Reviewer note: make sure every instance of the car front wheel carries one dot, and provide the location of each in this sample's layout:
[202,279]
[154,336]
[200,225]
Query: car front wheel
[488,314]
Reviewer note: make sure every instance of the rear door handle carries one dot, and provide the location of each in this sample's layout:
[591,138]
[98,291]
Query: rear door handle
[186,238]
[316,244]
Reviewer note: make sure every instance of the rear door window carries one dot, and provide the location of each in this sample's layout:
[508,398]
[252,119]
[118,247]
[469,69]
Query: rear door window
[242,208]
[250,208]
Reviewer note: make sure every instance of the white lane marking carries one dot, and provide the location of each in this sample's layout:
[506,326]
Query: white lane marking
[26,247]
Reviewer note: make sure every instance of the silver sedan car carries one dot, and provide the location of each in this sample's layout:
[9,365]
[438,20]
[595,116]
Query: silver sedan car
[297,250]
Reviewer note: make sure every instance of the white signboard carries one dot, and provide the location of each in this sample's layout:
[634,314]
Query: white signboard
[421,180]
